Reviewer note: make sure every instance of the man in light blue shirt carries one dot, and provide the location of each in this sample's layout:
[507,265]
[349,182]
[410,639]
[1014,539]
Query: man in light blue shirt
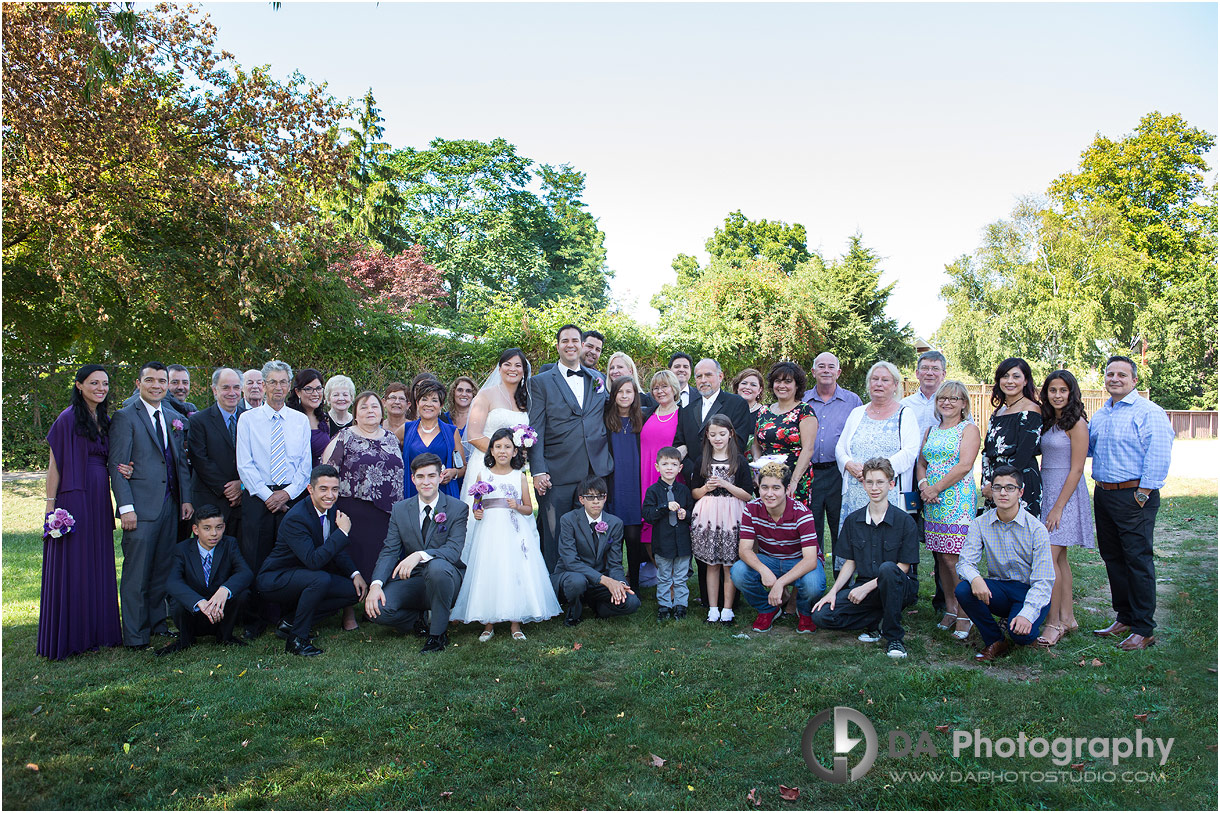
[930,370]
[1130,439]
[1020,570]
[831,404]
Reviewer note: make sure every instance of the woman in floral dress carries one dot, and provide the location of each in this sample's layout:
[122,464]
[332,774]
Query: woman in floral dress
[788,427]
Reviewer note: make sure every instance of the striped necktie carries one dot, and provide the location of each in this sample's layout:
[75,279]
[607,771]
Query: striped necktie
[280,473]
[233,428]
[207,567]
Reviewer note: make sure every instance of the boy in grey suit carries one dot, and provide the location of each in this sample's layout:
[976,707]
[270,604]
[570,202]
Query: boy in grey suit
[420,566]
[590,566]
[149,435]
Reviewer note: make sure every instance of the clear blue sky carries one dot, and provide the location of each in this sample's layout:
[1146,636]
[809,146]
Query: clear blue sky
[916,124]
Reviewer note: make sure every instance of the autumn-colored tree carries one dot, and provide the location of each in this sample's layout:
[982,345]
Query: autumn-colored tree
[399,282]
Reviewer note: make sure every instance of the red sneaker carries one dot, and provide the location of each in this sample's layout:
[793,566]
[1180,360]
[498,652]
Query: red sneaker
[805,624]
[765,620]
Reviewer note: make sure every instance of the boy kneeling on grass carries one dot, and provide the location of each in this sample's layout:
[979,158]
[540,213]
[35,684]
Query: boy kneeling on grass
[880,545]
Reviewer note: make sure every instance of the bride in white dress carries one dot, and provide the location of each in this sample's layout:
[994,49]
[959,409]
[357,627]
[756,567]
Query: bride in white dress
[501,403]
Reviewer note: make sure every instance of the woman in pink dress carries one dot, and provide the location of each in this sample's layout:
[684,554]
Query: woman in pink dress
[659,430]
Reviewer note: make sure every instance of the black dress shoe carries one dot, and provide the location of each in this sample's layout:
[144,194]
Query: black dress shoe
[301,646]
[254,632]
[679,613]
[436,643]
[231,641]
[284,630]
[575,610]
[136,647]
[167,633]
[422,623]
[176,646]
[663,614]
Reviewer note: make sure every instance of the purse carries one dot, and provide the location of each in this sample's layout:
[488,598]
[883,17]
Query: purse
[912,502]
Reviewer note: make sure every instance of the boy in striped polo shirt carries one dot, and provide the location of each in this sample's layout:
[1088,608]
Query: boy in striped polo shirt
[788,552]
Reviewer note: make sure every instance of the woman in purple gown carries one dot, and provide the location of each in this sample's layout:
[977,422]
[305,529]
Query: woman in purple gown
[306,397]
[79,609]
[370,482]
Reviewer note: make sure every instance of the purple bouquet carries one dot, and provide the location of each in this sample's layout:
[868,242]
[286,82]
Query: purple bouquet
[524,435]
[480,490]
[58,524]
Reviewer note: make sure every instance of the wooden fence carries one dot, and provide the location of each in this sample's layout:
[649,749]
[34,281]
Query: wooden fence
[1193,424]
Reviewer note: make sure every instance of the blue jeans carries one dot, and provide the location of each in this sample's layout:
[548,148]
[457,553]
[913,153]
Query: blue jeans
[1007,599]
[673,573]
[809,588]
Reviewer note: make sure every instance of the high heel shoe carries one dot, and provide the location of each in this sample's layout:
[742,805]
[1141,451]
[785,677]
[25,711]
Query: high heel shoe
[947,621]
[961,634]
[1052,634]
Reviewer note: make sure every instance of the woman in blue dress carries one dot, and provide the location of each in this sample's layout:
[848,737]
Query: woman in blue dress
[428,433]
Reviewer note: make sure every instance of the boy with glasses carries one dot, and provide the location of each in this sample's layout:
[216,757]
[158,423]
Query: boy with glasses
[590,565]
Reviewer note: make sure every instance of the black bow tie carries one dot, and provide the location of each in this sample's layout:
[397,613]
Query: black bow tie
[575,372]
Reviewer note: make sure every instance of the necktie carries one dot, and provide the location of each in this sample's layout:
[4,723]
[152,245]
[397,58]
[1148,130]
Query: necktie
[160,428]
[669,496]
[322,518]
[423,531]
[593,528]
[574,373]
[684,398]
[207,567]
[233,428]
[280,473]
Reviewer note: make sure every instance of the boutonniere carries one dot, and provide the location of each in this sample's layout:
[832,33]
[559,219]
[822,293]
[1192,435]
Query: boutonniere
[177,424]
[601,527]
[599,386]
[440,520]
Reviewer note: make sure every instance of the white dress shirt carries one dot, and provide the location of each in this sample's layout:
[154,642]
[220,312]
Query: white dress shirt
[254,450]
[325,522]
[684,396]
[708,403]
[576,383]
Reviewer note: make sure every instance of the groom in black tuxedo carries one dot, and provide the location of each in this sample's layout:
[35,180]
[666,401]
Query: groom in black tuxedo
[566,405]
[420,567]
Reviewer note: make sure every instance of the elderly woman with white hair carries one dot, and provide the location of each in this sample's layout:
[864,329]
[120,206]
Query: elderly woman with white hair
[882,427]
[340,392]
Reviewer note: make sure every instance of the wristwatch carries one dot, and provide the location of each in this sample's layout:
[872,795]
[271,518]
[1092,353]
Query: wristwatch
[1141,498]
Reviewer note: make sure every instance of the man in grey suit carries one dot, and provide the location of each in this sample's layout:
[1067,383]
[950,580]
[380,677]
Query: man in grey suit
[149,435]
[420,566]
[566,405]
[590,566]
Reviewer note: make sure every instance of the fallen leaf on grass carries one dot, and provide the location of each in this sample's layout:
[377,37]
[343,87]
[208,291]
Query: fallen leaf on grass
[750,797]
[1077,766]
[445,794]
[943,729]
[242,673]
[244,743]
[32,766]
[1213,671]
[690,787]
[576,645]
[620,714]
[912,612]
[1096,662]
[35,711]
[126,748]
[789,794]
[656,761]
[1141,717]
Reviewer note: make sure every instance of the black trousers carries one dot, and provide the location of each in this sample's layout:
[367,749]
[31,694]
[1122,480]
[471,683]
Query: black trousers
[895,590]
[433,586]
[575,590]
[312,591]
[259,529]
[1124,540]
[192,624]
[557,501]
[825,500]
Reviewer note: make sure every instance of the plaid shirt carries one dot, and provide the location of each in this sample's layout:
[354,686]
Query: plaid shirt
[1018,551]
[785,539]
[1131,440]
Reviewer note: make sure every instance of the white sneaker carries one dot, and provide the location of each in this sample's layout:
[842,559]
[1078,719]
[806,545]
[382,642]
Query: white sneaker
[869,636]
[713,615]
[726,615]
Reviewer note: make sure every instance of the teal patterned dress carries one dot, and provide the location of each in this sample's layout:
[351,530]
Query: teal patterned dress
[946,522]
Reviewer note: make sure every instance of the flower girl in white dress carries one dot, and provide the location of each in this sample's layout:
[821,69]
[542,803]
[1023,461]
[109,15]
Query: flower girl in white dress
[506,579]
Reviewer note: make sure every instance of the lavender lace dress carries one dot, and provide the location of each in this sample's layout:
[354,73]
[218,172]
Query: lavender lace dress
[370,482]
[1076,524]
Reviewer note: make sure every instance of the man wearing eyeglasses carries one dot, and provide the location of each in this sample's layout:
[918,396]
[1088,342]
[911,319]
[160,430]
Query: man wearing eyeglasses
[590,565]
[1020,571]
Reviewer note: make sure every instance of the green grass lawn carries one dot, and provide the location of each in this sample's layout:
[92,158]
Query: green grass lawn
[572,717]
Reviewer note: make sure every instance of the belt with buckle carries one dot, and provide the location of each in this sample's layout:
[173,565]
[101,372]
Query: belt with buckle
[1117,486]
[819,466]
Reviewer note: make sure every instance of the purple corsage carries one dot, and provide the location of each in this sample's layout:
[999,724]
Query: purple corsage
[601,527]
[439,519]
[177,424]
[58,524]
[600,386]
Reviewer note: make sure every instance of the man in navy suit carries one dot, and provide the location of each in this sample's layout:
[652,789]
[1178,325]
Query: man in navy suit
[213,446]
[566,404]
[420,566]
[590,566]
[207,583]
[309,565]
[148,435]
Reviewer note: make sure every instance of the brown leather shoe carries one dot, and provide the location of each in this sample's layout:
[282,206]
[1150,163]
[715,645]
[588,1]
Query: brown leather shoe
[993,651]
[1115,630]
[1135,641]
